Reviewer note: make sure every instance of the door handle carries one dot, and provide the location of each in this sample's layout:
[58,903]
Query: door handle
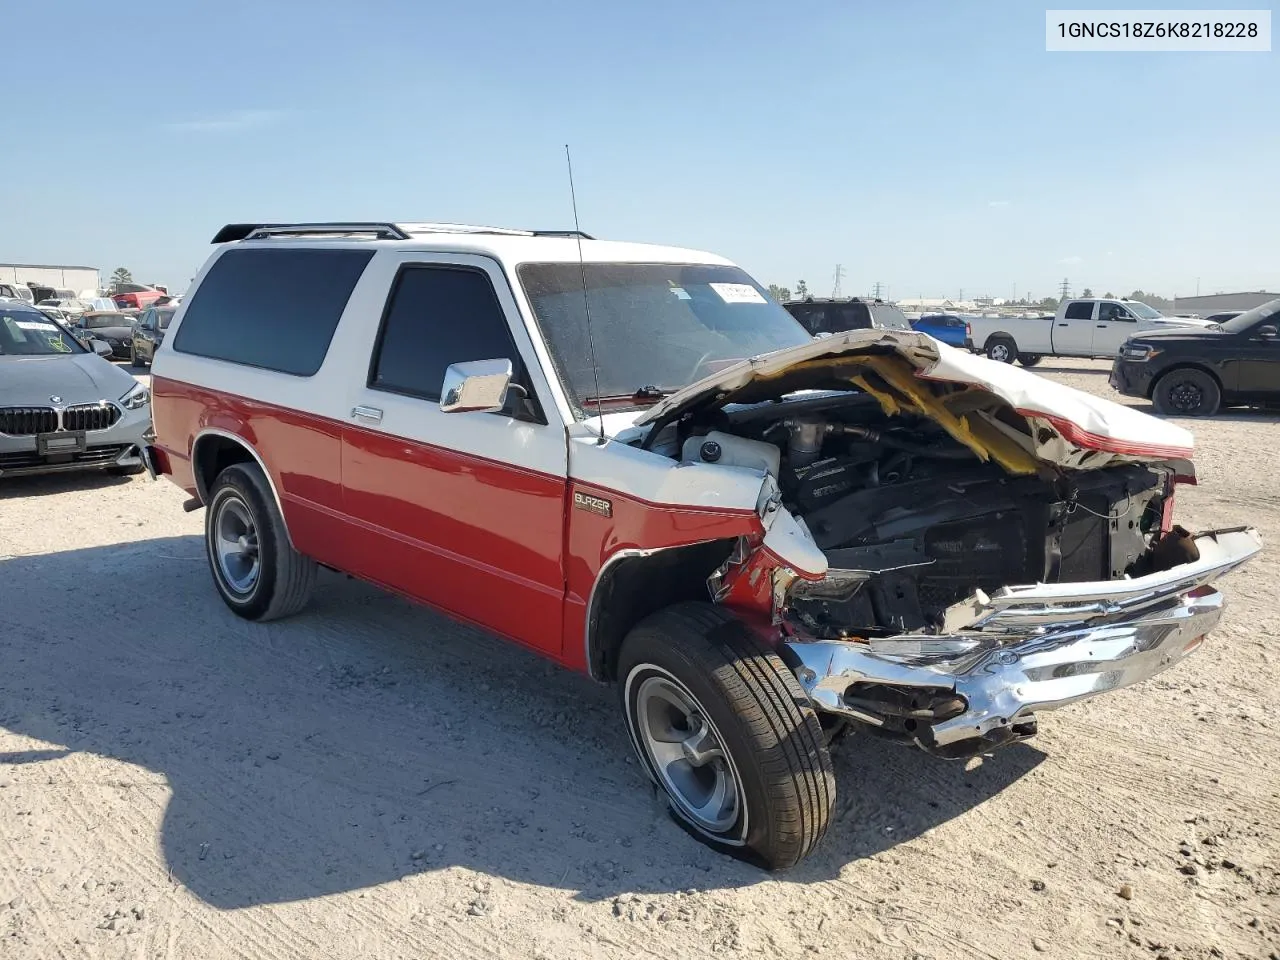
[367,414]
[1064,324]
[1102,326]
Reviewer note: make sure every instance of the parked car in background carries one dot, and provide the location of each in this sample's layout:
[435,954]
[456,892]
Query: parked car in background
[148,333]
[1094,327]
[1195,372]
[16,291]
[111,326]
[760,536]
[826,316]
[62,407]
[946,327]
[134,296]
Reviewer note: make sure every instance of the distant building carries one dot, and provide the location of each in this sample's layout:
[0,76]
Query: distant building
[1219,302]
[77,279]
[927,303]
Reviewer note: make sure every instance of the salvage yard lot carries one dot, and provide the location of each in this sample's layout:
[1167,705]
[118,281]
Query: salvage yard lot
[371,780]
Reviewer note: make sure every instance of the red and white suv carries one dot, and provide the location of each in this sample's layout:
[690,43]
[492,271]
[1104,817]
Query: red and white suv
[631,460]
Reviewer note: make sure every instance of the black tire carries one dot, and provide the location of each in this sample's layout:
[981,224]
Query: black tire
[774,744]
[133,355]
[1187,392]
[1029,359]
[285,577]
[1001,349]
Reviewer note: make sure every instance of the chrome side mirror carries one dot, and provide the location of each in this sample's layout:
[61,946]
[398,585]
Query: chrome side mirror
[101,348]
[479,386]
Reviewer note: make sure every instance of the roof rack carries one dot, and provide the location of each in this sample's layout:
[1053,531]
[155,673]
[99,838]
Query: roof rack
[570,234]
[250,231]
[233,232]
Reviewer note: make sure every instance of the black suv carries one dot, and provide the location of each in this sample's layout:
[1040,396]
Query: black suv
[820,316]
[1192,372]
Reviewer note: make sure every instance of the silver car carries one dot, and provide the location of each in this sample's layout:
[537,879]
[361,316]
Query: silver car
[63,407]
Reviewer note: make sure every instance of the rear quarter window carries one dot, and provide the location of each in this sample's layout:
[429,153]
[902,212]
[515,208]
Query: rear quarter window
[275,309]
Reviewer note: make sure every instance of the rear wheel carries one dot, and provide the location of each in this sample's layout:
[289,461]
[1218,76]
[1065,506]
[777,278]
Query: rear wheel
[1187,392]
[1029,359]
[258,573]
[723,727]
[1002,349]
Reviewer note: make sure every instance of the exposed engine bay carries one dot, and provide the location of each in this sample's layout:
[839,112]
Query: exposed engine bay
[912,521]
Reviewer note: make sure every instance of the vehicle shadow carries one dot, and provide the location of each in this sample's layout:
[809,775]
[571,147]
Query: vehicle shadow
[369,739]
[43,485]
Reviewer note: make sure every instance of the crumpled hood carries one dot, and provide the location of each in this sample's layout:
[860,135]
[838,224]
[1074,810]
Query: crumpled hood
[1067,426]
[78,378]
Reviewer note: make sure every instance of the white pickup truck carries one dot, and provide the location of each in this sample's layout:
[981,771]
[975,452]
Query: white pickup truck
[1081,328]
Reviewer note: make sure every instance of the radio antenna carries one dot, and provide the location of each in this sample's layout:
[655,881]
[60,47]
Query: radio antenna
[586,300]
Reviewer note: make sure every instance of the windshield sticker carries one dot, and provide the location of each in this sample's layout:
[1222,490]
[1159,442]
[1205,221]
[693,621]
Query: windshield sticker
[35,325]
[737,293]
[681,293]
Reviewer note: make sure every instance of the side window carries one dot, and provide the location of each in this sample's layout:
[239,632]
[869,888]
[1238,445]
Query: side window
[1115,311]
[1080,310]
[854,316]
[275,309]
[810,317]
[436,316]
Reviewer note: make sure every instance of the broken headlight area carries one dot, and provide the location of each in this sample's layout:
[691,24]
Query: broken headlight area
[900,555]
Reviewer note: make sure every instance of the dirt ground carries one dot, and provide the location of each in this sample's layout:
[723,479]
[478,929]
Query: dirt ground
[369,780]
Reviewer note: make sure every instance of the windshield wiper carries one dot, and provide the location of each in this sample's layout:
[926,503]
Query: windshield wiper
[650,392]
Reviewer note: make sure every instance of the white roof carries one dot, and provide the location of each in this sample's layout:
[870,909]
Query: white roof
[504,244]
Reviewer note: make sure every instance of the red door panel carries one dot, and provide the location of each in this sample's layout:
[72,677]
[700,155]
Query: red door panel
[480,539]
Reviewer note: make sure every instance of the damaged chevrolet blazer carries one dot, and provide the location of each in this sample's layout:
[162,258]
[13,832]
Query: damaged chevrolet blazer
[631,460]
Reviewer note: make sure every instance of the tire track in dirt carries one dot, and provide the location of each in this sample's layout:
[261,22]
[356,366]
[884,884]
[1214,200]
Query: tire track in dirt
[31,885]
[122,850]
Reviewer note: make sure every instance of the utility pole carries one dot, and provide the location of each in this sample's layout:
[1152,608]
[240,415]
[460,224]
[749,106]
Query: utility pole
[1197,286]
[876,290]
[1065,289]
[835,290]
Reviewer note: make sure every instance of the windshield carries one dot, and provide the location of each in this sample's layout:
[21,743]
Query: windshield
[890,318]
[661,325]
[29,333]
[1142,311]
[1268,311]
[97,323]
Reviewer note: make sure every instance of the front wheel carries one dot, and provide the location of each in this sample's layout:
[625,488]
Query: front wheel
[258,573]
[723,727]
[1002,349]
[1029,359]
[1187,393]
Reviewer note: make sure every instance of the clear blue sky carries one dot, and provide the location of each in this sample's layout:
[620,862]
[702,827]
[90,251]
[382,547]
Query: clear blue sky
[928,145]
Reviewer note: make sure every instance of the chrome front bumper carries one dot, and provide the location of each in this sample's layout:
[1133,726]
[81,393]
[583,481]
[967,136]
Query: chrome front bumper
[1023,649]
